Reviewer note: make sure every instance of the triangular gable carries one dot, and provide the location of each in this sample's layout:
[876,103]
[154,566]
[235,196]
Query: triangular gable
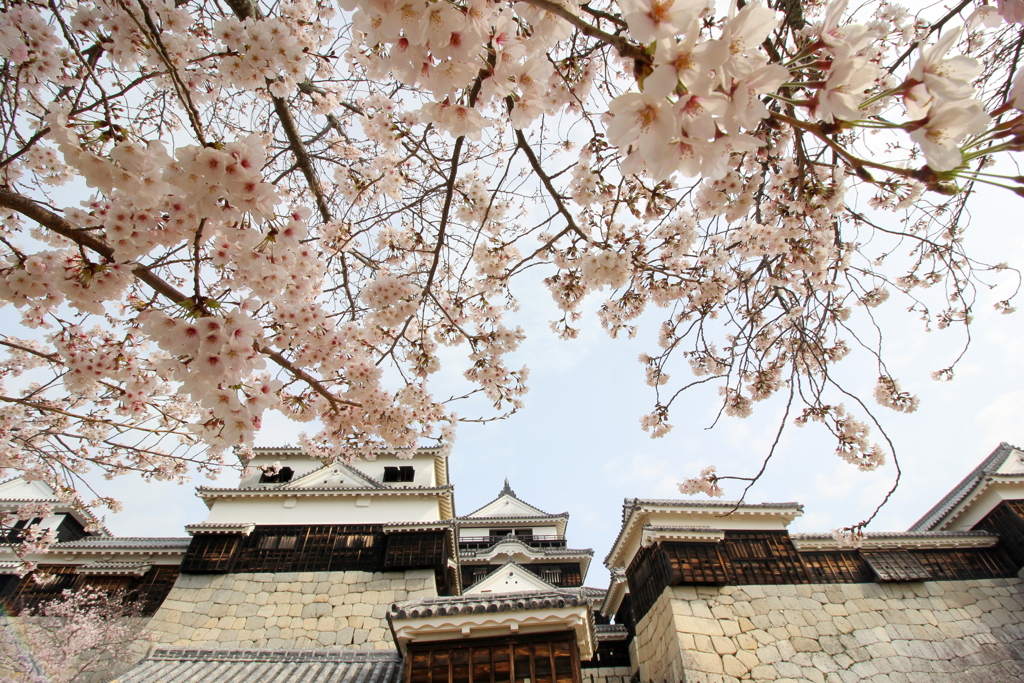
[510,578]
[508,506]
[1005,459]
[1013,464]
[19,489]
[335,475]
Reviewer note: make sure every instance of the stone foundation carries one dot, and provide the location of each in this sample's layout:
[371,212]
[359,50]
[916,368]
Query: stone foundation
[297,610]
[931,632]
[611,674]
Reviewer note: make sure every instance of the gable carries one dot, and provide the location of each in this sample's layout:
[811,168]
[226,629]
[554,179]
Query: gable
[506,505]
[510,578]
[1014,464]
[335,475]
[19,489]
[1006,460]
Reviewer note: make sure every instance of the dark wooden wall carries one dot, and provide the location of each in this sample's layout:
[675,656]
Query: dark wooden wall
[310,548]
[1007,521]
[572,576]
[548,658]
[23,595]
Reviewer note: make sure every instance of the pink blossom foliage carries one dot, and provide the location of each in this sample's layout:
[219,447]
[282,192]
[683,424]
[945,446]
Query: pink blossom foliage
[214,211]
[72,637]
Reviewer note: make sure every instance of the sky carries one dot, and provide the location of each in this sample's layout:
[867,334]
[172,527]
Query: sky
[578,447]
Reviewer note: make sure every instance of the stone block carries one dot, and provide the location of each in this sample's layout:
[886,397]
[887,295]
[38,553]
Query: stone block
[317,609]
[733,666]
[763,673]
[805,645]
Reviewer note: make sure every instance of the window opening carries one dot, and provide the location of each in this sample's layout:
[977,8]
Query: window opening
[281,476]
[404,473]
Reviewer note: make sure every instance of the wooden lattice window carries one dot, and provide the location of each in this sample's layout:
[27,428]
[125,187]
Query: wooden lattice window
[210,553]
[844,566]
[551,658]
[1007,521]
[420,550]
[648,575]
[568,574]
[896,565]
[695,563]
[763,557]
[967,564]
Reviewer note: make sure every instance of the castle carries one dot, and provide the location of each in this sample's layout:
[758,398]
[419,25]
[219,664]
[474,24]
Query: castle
[313,571]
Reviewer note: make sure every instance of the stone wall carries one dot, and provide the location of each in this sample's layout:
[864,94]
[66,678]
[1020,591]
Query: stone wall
[610,674]
[341,610]
[930,632]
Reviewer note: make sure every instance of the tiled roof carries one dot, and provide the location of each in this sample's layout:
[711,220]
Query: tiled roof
[488,602]
[611,632]
[114,542]
[203,491]
[989,466]
[266,666]
[569,552]
[902,534]
[631,504]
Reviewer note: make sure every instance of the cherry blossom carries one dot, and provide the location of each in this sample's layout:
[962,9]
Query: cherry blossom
[210,213]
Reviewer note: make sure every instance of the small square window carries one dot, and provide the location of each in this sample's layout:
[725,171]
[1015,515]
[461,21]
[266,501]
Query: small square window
[399,474]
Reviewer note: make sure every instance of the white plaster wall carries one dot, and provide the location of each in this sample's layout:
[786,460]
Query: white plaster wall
[326,510]
[302,465]
[927,632]
[301,610]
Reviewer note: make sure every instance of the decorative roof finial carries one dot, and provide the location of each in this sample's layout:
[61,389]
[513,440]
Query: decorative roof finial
[508,489]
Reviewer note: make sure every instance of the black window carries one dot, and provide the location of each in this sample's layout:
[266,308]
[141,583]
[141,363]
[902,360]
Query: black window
[284,474]
[399,474]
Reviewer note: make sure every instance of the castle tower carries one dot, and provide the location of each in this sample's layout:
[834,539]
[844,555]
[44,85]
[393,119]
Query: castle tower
[508,529]
[524,613]
[305,554]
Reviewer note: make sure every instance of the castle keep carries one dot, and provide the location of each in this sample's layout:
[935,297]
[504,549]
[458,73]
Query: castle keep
[319,571]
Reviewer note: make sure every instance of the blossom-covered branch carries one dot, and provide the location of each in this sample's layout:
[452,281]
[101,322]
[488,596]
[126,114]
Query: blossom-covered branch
[211,212]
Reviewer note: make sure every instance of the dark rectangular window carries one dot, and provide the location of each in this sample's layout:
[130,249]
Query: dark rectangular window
[281,476]
[404,473]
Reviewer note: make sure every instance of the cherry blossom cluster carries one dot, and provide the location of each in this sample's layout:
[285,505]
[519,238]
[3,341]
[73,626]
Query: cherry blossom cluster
[83,632]
[209,212]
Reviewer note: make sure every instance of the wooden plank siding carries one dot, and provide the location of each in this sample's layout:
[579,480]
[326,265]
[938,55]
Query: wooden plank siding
[1007,522]
[150,589]
[310,548]
[548,658]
